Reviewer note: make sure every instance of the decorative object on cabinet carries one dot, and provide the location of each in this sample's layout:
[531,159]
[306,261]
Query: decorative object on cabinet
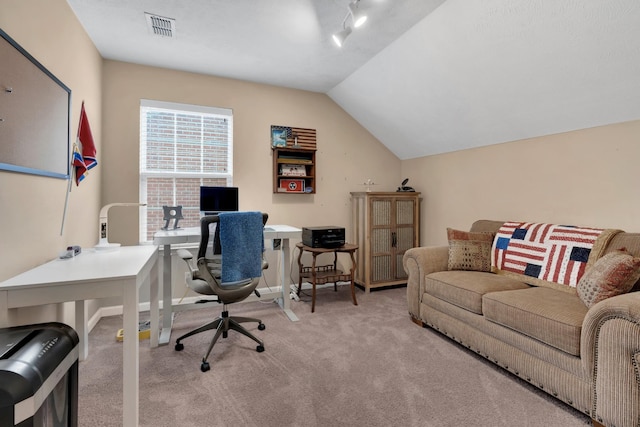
[369,183]
[295,158]
[404,186]
[384,225]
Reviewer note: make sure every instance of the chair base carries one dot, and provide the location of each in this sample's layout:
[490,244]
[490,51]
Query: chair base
[223,324]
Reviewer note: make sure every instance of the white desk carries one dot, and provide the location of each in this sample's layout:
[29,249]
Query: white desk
[93,275]
[192,235]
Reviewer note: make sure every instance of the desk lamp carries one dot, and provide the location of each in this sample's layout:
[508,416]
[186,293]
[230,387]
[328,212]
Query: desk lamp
[103,242]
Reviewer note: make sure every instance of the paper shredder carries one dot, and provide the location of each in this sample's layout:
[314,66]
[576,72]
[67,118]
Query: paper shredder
[39,376]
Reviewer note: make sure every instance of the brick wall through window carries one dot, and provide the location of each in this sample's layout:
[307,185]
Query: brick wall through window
[182,147]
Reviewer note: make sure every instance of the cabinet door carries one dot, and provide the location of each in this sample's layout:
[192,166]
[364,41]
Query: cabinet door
[393,232]
[404,233]
[381,223]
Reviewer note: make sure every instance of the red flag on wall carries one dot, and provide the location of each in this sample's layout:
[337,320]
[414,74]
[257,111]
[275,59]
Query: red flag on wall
[84,150]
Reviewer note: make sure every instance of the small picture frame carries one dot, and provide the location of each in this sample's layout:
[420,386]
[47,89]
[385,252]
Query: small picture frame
[291,186]
[293,170]
[279,136]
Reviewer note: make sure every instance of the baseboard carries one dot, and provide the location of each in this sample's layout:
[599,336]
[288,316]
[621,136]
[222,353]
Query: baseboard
[116,310]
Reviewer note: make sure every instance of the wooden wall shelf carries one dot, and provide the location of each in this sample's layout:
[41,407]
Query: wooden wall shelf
[300,159]
[294,163]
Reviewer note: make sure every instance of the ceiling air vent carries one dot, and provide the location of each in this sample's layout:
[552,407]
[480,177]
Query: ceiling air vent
[160,26]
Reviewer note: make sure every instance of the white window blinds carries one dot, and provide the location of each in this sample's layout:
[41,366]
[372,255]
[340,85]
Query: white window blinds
[181,148]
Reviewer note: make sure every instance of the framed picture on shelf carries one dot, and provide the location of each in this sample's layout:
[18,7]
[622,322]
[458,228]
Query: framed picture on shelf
[293,170]
[279,136]
[291,186]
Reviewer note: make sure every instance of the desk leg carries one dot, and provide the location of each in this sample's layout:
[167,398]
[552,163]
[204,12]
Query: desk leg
[167,315]
[354,266]
[82,330]
[130,361]
[154,309]
[4,309]
[285,258]
[313,282]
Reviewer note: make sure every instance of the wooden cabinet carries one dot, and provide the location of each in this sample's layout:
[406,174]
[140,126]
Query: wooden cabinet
[385,225]
[294,170]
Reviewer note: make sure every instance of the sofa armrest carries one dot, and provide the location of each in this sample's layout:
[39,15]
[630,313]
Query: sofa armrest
[418,262]
[610,351]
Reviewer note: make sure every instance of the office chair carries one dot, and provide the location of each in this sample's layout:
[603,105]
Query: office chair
[237,234]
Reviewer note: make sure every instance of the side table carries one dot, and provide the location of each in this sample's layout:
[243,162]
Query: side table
[326,273]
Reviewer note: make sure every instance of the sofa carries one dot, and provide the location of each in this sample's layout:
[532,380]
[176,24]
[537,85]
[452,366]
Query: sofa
[555,305]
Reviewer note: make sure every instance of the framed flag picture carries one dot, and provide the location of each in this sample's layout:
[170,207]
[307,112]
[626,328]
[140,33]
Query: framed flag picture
[291,185]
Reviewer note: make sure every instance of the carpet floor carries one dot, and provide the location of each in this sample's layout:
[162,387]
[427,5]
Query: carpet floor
[344,365]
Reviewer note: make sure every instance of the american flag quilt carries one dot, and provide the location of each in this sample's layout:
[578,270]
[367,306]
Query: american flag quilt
[550,252]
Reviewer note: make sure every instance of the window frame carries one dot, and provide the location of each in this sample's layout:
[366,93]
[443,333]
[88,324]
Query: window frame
[144,174]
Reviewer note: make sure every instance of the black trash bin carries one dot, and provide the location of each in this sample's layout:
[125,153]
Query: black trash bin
[39,376]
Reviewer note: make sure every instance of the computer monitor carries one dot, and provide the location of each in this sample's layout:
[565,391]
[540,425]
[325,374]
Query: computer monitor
[214,200]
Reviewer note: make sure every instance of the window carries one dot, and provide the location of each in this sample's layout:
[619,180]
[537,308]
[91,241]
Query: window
[181,148]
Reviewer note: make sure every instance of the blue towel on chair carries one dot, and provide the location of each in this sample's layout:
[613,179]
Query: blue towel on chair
[242,242]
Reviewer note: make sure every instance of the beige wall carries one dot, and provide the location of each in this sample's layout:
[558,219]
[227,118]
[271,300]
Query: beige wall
[32,206]
[588,177]
[347,154]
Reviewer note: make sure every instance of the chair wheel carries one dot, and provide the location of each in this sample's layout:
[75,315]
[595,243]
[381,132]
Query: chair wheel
[260,348]
[179,346]
[261,326]
[205,366]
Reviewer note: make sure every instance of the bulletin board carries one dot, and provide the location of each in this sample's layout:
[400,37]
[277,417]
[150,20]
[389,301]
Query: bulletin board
[34,115]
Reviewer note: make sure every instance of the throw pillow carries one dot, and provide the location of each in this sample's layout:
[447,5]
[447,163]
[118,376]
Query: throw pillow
[613,274]
[469,250]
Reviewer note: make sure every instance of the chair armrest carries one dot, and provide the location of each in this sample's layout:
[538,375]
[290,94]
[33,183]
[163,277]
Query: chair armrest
[193,270]
[184,254]
[418,262]
[610,353]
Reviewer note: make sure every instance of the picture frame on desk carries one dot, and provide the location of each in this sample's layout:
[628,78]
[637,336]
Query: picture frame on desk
[291,185]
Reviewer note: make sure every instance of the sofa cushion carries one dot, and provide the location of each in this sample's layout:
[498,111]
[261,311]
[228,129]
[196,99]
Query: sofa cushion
[613,274]
[469,250]
[465,288]
[546,314]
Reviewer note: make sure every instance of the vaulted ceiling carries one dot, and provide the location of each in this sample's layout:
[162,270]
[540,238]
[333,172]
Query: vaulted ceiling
[423,76]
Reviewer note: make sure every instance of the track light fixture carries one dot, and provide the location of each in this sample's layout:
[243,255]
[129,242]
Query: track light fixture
[358,19]
[340,37]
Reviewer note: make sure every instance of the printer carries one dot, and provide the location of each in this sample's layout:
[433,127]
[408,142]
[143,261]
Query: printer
[329,236]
